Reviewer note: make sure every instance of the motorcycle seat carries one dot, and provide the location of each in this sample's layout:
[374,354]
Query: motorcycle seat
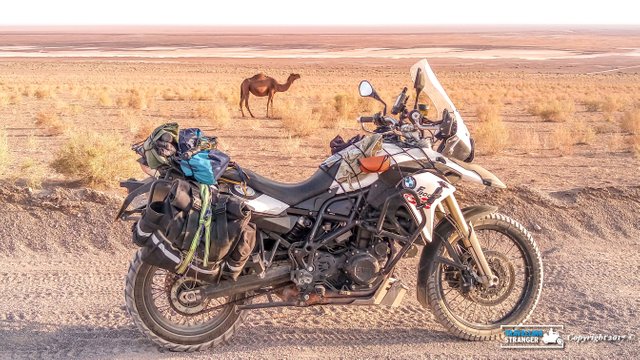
[290,193]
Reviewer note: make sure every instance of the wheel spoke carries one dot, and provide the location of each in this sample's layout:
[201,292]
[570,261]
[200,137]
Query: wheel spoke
[487,306]
[162,290]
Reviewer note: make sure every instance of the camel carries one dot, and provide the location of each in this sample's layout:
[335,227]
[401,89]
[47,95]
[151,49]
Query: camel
[262,85]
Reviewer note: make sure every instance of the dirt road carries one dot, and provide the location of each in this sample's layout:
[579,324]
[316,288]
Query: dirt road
[64,262]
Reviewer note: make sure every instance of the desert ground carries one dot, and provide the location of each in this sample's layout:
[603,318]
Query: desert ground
[555,114]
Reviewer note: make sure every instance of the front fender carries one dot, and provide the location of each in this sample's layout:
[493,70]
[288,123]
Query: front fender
[441,232]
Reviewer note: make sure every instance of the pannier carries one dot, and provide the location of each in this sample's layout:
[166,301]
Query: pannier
[186,225]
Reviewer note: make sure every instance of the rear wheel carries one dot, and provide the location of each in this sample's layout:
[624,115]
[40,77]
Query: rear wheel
[474,312]
[153,300]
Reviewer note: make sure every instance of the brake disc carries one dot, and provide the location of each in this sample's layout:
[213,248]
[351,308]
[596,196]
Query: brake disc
[501,267]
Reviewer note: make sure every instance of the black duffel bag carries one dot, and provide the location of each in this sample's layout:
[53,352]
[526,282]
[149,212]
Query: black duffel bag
[167,227]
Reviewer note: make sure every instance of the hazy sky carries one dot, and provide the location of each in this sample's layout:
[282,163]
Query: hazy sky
[320,12]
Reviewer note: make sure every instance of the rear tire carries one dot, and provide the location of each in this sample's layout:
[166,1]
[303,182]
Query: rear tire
[214,331]
[446,313]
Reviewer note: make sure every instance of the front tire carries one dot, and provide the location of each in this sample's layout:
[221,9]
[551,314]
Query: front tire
[172,325]
[499,236]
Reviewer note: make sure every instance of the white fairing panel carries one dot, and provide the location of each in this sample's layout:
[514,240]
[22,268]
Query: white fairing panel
[264,204]
[399,156]
[356,184]
[425,185]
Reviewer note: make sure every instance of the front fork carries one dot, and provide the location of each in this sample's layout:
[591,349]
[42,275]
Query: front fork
[470,241]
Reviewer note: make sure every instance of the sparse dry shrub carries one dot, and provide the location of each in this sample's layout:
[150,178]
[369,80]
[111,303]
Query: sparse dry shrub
[104,98]
[631,121]
[122,102]
[139,126]
[610,105]
[170,95]
[5,156]
[62,107]
[32,174]
[527,139]
[135,99]
[97,160]
[634,142]
[491,135]
[345,106]
[297,117]
[327,115]
[27,91]
[43,93]
[228,94]
[562,139]
[144,130]
[50,120]
[217,114]
[15,99]
[74,109]
[291,145]
[4,99]
[488,112]
[592,105]
[583,133]
[552,110]
[201,94]
[614,143]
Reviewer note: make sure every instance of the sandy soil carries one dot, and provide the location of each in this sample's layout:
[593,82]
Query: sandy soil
[64,260]
[64,264]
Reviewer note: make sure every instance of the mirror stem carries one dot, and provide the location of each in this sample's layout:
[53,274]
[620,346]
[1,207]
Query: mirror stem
[377,97]
[415,105]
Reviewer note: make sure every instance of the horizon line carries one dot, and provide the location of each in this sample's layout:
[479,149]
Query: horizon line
[311,29]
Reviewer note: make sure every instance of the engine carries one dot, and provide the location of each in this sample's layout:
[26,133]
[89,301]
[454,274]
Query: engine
[353,267]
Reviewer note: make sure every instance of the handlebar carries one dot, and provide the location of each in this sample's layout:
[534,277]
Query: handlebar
[379,120]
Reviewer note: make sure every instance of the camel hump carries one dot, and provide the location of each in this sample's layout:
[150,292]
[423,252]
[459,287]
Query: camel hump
[258,76]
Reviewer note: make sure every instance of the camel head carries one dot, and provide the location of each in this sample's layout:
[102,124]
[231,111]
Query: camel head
[293,77]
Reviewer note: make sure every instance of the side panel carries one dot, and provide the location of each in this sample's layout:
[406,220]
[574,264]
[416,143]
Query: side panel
[425,185]
[264,204]
[347,187]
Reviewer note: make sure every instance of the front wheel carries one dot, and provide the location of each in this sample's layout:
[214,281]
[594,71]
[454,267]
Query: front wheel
[470,310]
[153,300]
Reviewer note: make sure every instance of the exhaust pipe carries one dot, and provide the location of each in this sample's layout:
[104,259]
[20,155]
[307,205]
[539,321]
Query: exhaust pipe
[275,276]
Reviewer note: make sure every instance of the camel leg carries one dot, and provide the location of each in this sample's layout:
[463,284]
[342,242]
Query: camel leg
[271,101]
[241,110]
[268,101]
[246,103]
[242,96]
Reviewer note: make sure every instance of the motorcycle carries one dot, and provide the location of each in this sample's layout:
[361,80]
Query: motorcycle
[331,241]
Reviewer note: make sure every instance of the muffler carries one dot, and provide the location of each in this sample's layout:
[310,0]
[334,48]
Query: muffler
[272,277]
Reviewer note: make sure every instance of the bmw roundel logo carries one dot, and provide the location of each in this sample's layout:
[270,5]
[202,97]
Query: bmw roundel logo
[409,182]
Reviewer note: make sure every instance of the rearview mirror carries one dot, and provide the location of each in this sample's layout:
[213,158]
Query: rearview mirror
[419,81]
[418,84]
[366,89]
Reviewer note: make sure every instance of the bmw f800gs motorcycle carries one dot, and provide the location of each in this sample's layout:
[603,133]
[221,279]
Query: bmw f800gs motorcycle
[335,240]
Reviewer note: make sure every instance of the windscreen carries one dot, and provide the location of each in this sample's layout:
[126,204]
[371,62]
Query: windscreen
[459,144]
